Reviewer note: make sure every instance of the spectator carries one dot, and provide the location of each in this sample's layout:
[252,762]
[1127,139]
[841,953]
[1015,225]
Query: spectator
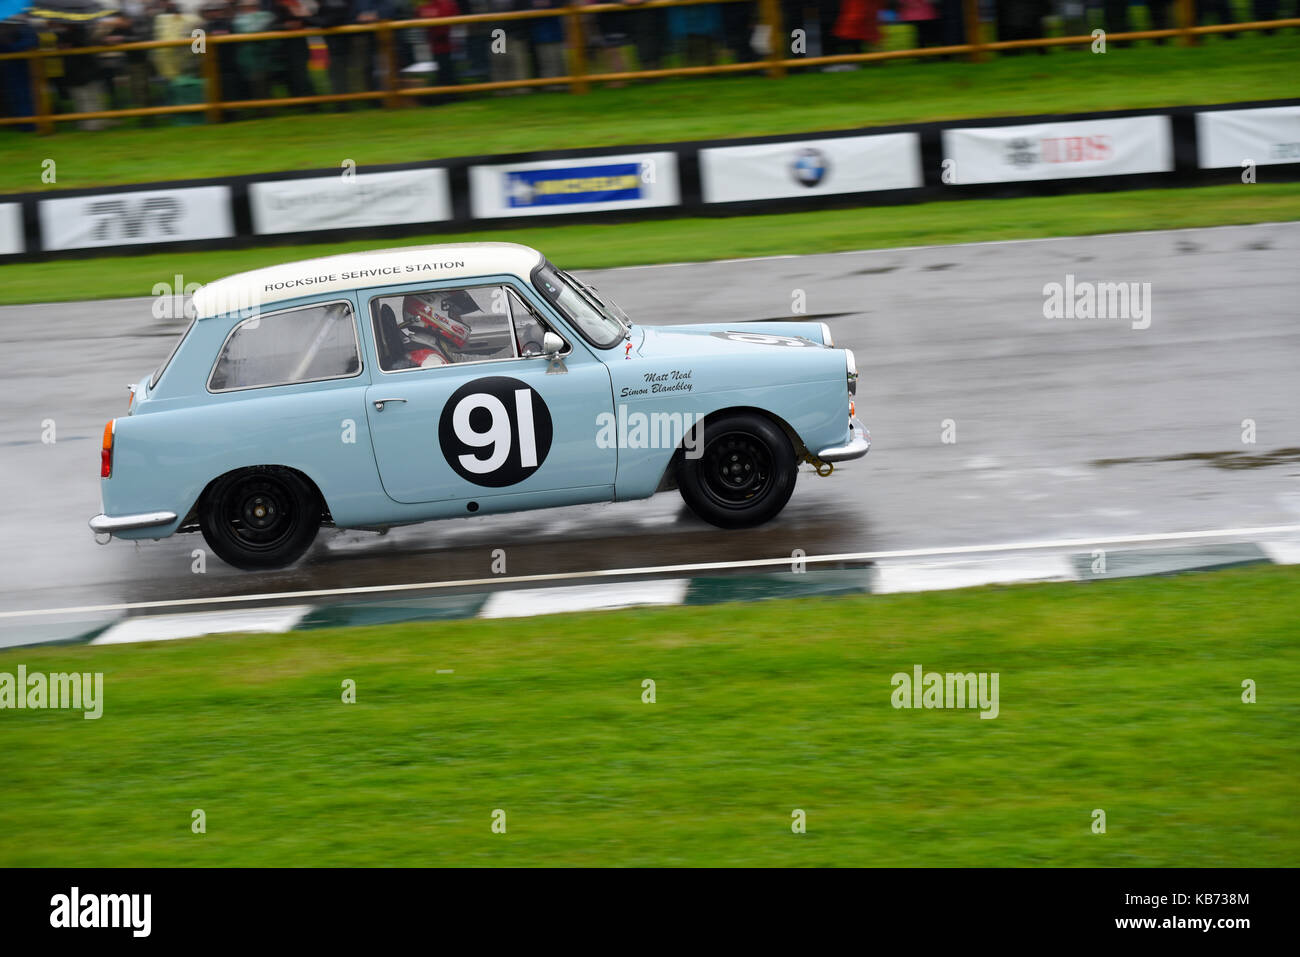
[253,57]
[1116,17]
[737,28]
[17,36]
[1021,20]
[219,18]
[1266,10]
[290,55]
[608,33]
[85,78]
[923,15]
[171,24]
[954,22]
[338,46]
[547,35]
[508,50]
[478,41]
[695,29]
[440,38]
[365,48]
[1220,9]
[857,24]
[650,29]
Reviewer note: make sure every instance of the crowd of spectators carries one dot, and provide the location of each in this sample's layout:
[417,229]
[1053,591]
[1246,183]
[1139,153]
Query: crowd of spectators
[618,41]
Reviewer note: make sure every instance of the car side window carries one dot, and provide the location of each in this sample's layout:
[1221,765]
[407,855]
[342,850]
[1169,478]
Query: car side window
[442,327]
[308,344]
[530,328]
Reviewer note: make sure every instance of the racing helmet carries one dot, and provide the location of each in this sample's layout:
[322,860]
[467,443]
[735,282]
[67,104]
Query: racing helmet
[436,314]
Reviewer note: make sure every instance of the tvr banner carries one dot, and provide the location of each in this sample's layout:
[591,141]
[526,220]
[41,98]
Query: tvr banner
[136,218]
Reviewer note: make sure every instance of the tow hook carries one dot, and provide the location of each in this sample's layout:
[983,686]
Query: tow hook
[823,468]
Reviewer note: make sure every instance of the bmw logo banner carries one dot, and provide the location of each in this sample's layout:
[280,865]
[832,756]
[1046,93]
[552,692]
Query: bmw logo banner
[842,164]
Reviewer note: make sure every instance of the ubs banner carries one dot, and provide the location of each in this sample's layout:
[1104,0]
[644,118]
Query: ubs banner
[338,202]
[585,184]
[136,218]
[1263,136]
[1067,149]
[849,164]
[11,228]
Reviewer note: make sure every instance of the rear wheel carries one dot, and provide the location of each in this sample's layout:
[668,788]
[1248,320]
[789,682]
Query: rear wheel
[260,517]
[745,474]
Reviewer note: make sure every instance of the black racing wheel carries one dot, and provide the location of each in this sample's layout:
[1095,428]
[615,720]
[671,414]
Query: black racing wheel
[745,474]
[262,517]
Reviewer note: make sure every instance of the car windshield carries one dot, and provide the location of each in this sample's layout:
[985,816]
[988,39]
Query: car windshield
[595,320]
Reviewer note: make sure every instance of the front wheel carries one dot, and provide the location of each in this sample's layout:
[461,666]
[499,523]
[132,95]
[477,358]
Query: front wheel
[744,475]
[260,517]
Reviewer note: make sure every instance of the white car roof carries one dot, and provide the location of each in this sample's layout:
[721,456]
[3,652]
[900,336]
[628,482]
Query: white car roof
[376,267]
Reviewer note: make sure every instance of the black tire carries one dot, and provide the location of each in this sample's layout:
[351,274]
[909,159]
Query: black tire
[260,517]
[745,474]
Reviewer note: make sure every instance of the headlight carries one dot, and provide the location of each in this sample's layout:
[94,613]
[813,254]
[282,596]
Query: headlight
[851,369]
[827,338]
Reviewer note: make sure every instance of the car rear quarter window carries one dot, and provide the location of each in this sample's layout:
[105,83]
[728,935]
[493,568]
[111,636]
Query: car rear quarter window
[308,344]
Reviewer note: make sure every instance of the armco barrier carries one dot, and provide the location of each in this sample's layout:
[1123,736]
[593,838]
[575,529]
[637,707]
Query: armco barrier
[993,156]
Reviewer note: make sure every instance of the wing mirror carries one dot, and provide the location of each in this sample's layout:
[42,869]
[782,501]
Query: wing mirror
[552,345]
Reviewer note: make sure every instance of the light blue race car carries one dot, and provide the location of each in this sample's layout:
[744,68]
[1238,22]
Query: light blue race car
[385,388]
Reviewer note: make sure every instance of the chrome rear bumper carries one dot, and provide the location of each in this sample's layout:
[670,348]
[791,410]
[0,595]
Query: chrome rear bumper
[107,525]
[858,445]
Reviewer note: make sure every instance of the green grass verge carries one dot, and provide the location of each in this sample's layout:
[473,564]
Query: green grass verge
[1251,67]
[1123,696]
[678,240]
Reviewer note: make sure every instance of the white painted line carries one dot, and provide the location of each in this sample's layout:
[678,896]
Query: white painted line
[550,601]
[936,576]
[1282,553]
[911,249]
[171,627]
[1087,544]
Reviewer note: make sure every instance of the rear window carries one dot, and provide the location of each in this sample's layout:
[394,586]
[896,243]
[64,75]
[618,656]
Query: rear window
[153,382]
[309,344]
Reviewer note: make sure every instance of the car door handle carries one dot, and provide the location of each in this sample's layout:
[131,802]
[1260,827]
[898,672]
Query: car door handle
[380,403]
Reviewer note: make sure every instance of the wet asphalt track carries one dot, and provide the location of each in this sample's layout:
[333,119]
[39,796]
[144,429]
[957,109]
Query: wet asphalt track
[1042,408]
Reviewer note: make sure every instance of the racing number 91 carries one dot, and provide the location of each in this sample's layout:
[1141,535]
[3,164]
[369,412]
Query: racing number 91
[495,431]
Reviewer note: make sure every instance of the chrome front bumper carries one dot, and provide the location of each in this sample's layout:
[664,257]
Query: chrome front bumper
[858,445]
[106,525]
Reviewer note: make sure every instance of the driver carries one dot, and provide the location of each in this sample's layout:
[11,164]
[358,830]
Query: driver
[434,327]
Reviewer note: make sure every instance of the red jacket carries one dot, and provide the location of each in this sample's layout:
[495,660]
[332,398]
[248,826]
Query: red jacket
[857,21]
[439,37]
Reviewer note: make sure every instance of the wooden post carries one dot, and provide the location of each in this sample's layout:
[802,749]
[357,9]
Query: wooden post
[389,51]
[40,93]
[576,39]
[971,15]
[770,13]
[212,82]
[1186,20]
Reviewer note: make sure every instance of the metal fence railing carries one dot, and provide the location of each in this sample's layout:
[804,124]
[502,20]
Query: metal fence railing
[393,92]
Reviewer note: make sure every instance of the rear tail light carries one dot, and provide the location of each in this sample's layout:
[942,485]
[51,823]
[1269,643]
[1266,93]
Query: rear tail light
[106,452]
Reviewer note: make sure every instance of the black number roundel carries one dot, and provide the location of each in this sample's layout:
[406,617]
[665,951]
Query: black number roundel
[495,431]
